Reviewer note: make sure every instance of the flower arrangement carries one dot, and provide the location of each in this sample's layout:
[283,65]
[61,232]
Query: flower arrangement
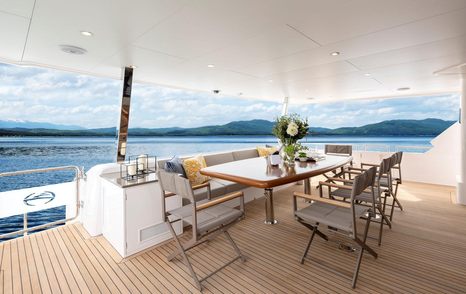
[289,129]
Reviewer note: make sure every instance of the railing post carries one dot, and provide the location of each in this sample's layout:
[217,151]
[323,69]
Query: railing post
[461,178]
[25,224]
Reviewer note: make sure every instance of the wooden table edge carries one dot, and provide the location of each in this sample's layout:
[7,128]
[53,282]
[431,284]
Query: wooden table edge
[275,182]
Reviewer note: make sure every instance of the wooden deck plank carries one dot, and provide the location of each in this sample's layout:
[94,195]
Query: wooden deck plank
[31,265]
[92,279]
[423,252]
[16,268]
[7,269]
[60,262]
[25,278]
[48,268]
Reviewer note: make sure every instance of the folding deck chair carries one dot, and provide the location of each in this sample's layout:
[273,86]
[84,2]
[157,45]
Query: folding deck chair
[365,198]
[208,219]
[339,215]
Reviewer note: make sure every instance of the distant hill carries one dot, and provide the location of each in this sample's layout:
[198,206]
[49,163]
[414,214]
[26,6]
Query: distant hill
[11,124]
[402,127]
[426,127]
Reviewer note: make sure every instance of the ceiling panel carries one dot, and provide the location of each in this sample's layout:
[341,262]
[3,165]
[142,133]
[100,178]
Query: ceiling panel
[207,25]
[400,42]
[13,32]
[411,54]
[276,41]
[354,18]
[17,7]
[113,23]
[319,71]
[434,29]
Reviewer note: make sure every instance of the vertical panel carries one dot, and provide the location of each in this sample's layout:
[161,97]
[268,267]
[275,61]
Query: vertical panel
[124,113]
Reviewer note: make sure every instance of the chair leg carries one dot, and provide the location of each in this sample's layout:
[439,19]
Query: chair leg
[392,209]
[233,244]
[185,258]
[382,220]
[358,261]
[308,244]
[356,270]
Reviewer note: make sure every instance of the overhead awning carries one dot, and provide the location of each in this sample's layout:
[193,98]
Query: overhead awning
[267,49]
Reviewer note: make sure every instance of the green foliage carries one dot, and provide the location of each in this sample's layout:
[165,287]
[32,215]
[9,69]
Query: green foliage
[281,126]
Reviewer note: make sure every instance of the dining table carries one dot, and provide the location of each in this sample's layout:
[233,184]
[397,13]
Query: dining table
[260,173]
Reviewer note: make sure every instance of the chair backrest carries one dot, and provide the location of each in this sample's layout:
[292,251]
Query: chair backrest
[385,166]
[339,149]
[399,156]
[174,183]
[361,182]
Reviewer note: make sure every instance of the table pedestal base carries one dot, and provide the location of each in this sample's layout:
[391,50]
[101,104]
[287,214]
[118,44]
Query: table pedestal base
[269,213]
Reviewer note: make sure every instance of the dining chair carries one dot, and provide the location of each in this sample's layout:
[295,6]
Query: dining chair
[339,215]
[338,150]
[365,198]
[207,219]
[394,181]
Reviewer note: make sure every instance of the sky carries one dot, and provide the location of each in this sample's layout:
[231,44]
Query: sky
[46,95]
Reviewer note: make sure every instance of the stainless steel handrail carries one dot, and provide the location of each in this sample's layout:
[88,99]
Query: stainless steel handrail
[78,176]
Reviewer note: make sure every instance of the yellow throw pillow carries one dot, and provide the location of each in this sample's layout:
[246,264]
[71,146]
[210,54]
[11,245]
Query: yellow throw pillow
[266,151]
[192,167]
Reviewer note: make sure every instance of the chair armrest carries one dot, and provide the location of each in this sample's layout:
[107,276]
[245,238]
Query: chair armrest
[322,200]
[369,164]
[205,185]
[356,168]
[335,185]
[219,200]
[169,194]
[341,180]
[200,186]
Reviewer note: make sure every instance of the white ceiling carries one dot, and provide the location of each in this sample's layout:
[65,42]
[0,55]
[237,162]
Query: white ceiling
[266,49]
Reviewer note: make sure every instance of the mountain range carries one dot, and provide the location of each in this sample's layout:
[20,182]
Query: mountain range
[425,127]
[10,124]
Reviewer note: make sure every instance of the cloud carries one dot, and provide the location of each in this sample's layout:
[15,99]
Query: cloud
[36,94]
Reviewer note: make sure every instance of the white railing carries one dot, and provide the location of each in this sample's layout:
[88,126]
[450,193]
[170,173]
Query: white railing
[78,176]
[375,147]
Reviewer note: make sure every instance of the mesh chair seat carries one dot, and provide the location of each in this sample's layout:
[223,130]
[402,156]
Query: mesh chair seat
[344,193]
[331,215]
[207,219]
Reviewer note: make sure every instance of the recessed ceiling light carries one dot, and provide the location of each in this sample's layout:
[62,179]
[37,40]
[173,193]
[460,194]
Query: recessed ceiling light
[403,89]
[210,65]
[336,53]
[87,33]
[70,49]
[270,81]
[367,74]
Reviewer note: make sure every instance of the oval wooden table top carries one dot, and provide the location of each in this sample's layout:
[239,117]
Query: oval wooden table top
[256,173]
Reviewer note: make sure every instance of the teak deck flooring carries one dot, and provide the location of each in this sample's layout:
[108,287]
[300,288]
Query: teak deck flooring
[424,252]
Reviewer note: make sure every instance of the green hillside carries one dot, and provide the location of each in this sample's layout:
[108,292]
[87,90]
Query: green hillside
[426,127]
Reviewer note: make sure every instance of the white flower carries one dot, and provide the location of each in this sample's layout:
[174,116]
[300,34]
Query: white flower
[292,129]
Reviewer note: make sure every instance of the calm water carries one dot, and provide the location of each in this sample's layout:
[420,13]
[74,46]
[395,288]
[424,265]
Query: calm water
[38,152]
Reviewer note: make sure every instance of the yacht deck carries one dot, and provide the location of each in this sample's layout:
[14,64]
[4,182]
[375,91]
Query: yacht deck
[424,252]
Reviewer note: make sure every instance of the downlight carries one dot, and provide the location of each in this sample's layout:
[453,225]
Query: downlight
[75,50]
[403,89]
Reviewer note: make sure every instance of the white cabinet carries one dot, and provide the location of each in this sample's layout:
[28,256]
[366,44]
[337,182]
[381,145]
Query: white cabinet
[133,217]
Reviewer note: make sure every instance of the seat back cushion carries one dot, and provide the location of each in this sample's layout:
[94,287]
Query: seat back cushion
[266,151]
[245,154]
[219,158]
